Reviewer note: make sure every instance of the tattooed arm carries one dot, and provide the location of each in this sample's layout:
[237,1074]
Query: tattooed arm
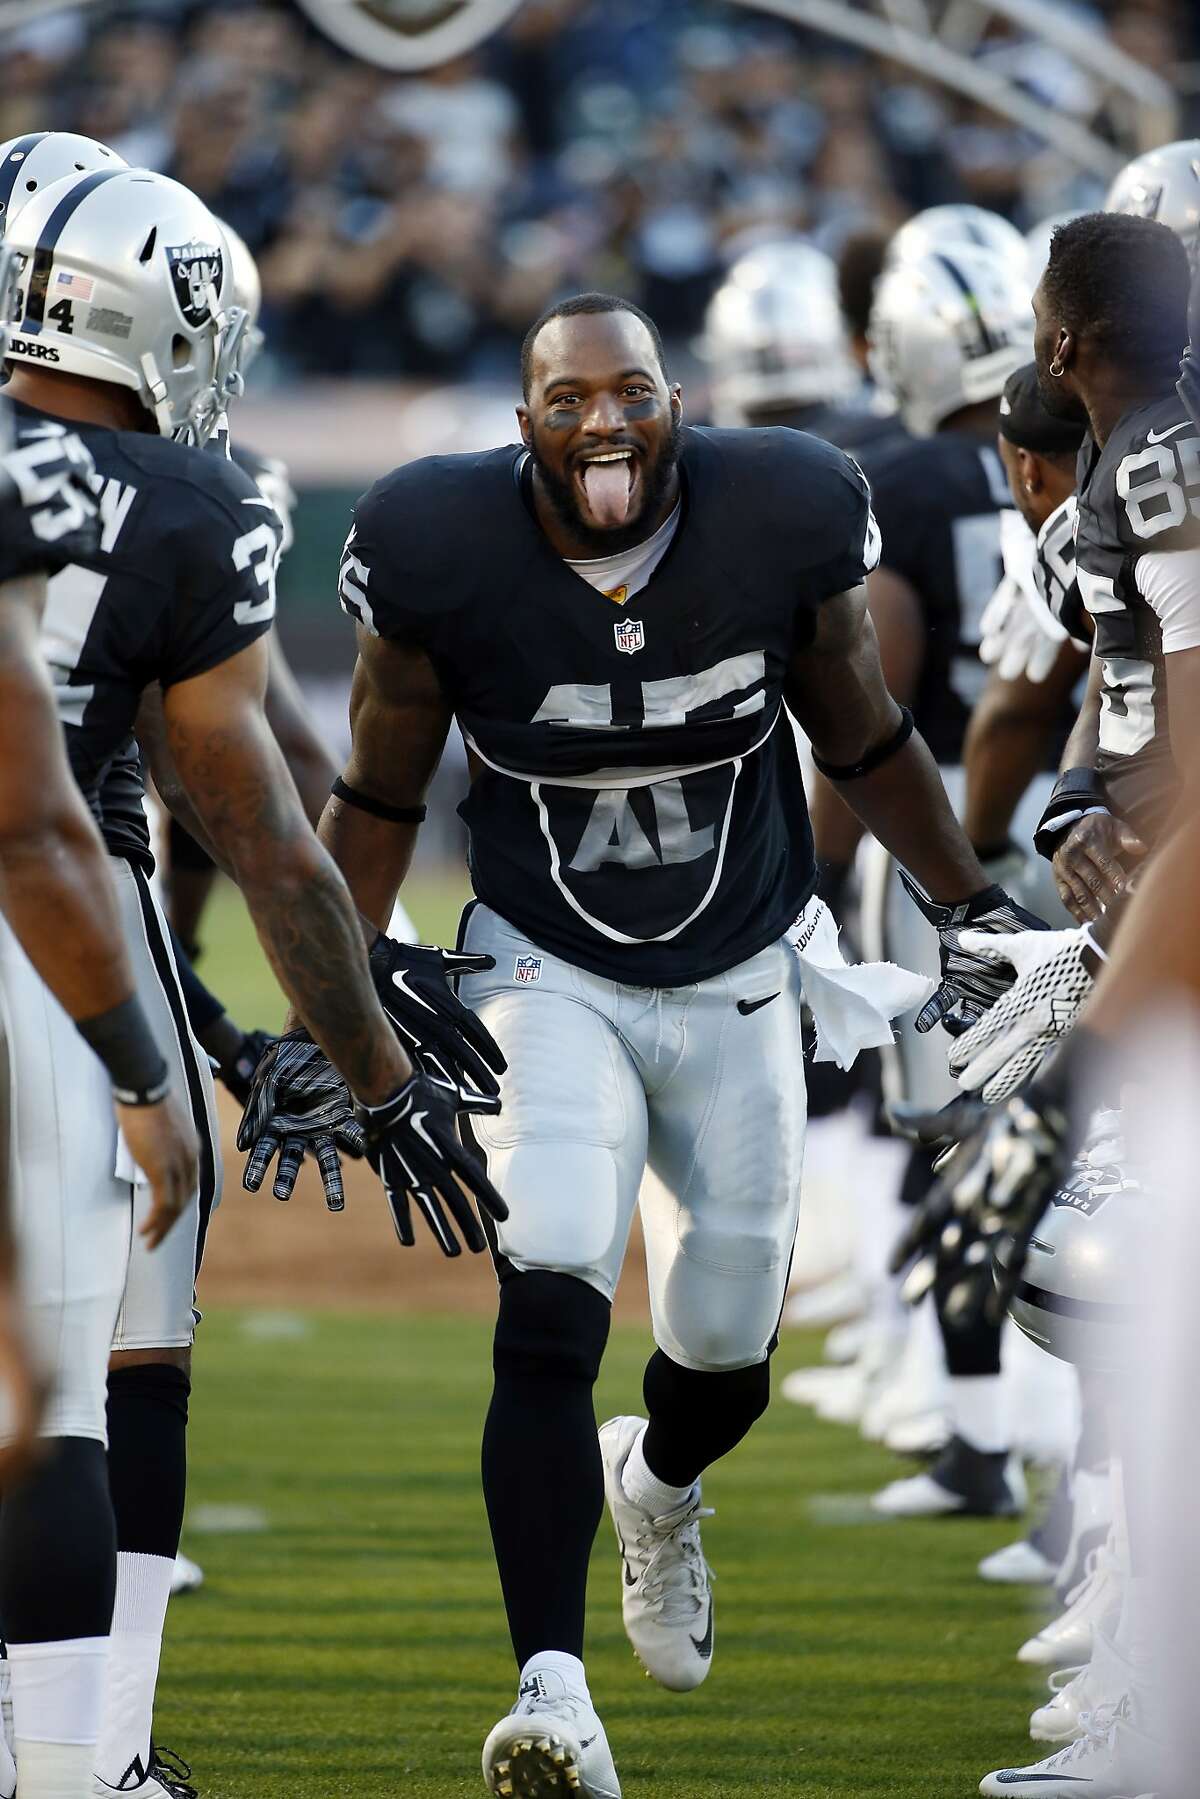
[238,781]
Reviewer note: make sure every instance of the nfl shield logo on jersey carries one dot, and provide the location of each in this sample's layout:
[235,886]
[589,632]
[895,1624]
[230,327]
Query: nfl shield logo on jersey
[527,969]
[629,635]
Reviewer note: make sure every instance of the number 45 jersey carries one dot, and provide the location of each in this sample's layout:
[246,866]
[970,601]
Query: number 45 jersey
[1137,561]
[636,804]
[183,579]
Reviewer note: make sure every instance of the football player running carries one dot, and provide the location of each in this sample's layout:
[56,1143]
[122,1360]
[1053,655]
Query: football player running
[614,611]
[126,333]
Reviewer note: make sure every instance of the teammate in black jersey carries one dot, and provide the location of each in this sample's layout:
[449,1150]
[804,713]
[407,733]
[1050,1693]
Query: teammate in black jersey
[614,611]
[1104,358]
[124,330]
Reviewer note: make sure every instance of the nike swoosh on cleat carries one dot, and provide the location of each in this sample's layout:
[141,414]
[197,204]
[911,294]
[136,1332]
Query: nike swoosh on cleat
[703,1645]
[746,1006]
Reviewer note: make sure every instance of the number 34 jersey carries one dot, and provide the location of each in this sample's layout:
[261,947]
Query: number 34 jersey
[182,579]
[1137,561]
[636,806]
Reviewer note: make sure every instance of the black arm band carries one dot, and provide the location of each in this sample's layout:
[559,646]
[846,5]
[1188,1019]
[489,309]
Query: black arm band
[395,815]
[873,759]
[1076,792]
[125,1044]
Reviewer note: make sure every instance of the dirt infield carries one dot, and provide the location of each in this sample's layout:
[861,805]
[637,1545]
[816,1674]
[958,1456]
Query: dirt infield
[299,1255]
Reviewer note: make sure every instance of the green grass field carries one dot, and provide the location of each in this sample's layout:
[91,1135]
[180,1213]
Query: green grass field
[350,1638]
[354,1643]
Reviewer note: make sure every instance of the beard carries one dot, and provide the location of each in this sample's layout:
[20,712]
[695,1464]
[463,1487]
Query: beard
[1059,402]
[595,540]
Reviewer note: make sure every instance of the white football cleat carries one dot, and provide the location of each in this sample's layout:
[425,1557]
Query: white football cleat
[844,1344]
[925,1435]
[965,1483]
[1102,1682]
[551,1743]
[1019,1564]
[666,1584]
[1097,1765]
[833,1302]
[807,1386]
[1067,1640]
[186,1576]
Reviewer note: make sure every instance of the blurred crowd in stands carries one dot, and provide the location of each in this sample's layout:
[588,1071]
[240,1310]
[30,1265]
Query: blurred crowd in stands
[413,226]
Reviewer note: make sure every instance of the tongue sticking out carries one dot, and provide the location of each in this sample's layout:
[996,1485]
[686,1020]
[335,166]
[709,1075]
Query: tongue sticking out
[608,485]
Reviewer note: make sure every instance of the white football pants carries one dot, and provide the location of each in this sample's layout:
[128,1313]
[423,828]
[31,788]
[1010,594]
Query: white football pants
[672,1097]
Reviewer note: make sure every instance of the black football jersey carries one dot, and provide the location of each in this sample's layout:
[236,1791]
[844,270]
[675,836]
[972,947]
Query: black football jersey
[1054,572]
[938,501]
[183,579]
[637,806]
[270,476]
[47,511]
[856,429]
[1138,498]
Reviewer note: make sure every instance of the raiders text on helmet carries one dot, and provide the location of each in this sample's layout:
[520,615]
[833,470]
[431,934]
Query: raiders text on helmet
[125,278]
[1164,185]
[947,330]
[774,335]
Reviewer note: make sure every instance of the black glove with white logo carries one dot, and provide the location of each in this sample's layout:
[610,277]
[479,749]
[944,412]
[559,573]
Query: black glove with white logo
[970,982]
[48,512]
[443,1038]
[995,1181]
[413,1146]
[298,1104]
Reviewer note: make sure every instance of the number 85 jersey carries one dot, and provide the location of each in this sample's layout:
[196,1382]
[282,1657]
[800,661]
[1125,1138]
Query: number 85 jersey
[636,804]
[1137,558]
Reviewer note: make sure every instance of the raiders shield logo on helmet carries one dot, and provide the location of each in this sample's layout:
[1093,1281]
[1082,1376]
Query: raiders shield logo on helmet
[195,268]
[409,34]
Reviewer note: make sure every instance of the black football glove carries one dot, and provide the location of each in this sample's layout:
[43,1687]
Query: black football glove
[237,1074]
[970,983]
[48,511]
[995,1181]
[298,1104]
[413,1146]
[443,1038]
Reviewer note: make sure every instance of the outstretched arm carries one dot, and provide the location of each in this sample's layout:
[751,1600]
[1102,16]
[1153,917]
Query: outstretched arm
[399,718]
[836,689]
[236,777]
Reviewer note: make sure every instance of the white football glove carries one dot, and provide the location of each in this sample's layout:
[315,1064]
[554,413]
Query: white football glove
[1008,1042]
[1013,639]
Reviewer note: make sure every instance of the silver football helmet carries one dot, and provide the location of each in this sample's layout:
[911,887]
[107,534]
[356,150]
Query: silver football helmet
[774,335]
[126,279]
[1076,1297]
[1164,185]
[246,295]
[30,163]
[947,329]
[945,227]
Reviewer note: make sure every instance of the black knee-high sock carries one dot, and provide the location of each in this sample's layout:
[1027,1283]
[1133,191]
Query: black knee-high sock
[147,1456]
[542,1476]
[58,1551]
[696,1418]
